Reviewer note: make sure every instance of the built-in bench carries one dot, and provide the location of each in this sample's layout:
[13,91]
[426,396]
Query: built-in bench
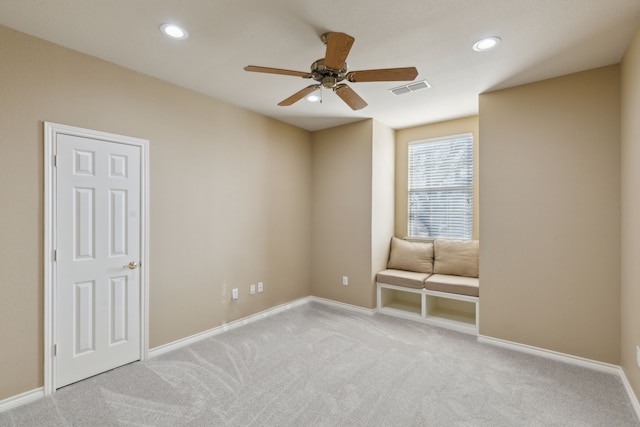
[434,282]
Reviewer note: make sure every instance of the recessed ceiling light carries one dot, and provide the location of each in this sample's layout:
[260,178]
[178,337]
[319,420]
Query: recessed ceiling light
[174,31]
[486,44]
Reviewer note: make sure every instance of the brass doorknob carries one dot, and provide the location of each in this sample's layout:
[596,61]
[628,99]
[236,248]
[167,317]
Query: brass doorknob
[132,265]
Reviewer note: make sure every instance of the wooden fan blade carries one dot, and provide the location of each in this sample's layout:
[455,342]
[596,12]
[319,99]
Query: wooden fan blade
[383,75]
[349,96]
[299,95]
[280,71]
[338,47]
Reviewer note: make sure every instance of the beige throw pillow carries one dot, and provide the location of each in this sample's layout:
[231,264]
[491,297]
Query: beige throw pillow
[411,256]
[457,257]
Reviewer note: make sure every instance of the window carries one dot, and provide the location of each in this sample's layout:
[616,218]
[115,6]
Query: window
[441,187]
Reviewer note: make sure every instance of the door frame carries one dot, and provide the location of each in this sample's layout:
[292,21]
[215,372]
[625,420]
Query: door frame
[51,132]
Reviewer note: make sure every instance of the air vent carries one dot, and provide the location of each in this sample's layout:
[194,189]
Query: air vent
[400,90]
[411,87]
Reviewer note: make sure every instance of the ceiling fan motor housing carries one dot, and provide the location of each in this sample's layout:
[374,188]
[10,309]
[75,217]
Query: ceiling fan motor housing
[326,76]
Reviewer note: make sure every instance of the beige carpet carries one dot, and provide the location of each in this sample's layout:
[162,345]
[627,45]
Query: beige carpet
[321,366]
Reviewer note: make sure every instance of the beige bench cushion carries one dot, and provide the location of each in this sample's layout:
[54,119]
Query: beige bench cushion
[410,279]
[454,284]
[457,257]
[411,256]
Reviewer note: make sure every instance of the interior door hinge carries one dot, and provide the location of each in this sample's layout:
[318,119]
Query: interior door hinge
[54,255]
[55,349]
[55,160]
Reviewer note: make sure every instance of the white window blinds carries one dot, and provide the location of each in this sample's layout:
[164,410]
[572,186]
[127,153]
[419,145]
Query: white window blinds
[441,187]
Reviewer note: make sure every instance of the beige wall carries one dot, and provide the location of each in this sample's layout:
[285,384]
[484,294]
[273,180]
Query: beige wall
[230,196]
[341,213]
[383,198]
[550,209]
[418,133]
[630,177]
[352,175]
[237,198]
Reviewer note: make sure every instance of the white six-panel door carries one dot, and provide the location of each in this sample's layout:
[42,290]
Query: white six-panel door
[97,278]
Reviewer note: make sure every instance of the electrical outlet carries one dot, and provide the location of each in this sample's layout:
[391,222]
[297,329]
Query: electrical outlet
[260,287]
[345,280]
[638,355]
[234,293]
[253,289]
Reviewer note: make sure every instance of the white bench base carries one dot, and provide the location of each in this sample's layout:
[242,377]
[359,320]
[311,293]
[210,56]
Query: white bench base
[452,311]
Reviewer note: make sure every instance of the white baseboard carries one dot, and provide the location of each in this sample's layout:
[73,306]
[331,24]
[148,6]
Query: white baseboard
[343,305]
[550,354]
[570,359]
[165,348]
[157,351]
[632,396]
[21,399]
[38,393]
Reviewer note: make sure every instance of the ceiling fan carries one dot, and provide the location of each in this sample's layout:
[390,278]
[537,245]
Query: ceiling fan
[331,71]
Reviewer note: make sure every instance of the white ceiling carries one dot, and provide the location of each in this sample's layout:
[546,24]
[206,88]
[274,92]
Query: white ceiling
[540,39]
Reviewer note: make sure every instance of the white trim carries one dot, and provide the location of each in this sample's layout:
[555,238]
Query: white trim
[33,395]
[144,246]
[570,359]
[49,265]
[51,130]
[442,138]
[21,399]
[423,315]
[550,354]
[471,187]
[632,396]
[350,307]
[183,342]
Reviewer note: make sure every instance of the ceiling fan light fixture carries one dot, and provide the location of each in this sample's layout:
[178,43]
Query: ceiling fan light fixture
[314,97]
[486,43]
[174,31]
[330,71]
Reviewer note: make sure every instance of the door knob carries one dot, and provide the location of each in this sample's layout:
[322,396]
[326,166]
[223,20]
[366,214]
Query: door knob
[132,265]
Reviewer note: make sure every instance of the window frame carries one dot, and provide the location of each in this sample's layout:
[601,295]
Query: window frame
[469,188]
